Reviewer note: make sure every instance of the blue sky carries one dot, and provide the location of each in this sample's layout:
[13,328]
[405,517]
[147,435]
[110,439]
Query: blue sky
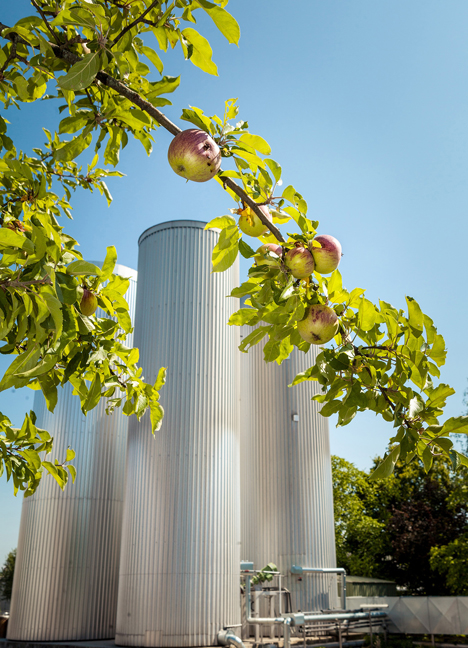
[364,104]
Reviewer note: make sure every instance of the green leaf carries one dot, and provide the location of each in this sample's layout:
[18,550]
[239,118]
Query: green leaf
[223,20]
[109,263]
[329,408]
[245,249]
[156,415]
[415,316]
[254,338]
[457,424]
[202,52]
[55,472]
[153,57]
[81,74]
[367,316]
[74,148]
[94,394]
[271,350]
[72,471]
[416,405]
[49,389]
[438,351]
[70,454]
[274,168]
[224,258]
[242,316]
[221,222]
[83,268]
[10,238]
[167,85]
[385,468]
[161,379]
[439,395]
[427,459]
[66,288]
[257,142]
[195,116]
[55,310]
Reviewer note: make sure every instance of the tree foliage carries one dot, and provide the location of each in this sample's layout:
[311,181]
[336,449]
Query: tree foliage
[411,527]
[96,59]
[6,576]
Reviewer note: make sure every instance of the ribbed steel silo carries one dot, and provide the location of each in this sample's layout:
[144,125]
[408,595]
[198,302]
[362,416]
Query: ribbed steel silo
[286,482]
[179,576]
[66,575]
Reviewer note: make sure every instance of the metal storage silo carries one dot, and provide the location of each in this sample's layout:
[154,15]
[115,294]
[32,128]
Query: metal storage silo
[286,482]
[66,575]
[179,576]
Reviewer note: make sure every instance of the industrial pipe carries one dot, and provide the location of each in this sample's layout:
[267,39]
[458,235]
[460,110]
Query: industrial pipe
[284,621]
[228,638]
[341,616]
[295,569]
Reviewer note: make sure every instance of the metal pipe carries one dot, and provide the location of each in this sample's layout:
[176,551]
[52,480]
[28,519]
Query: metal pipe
[284,621]
[344,615]
[228,638]
[287,632]
[296,569]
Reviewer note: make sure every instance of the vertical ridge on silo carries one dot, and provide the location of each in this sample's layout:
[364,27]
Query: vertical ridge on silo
[286,480]
[66,574]
[179,575]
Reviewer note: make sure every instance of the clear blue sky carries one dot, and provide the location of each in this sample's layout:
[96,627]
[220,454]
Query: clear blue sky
[365,105]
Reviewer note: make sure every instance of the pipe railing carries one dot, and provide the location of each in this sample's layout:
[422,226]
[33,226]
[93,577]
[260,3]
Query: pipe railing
[226,637]
[298,571]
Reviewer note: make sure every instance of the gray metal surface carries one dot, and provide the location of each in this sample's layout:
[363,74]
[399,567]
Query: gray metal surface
[286,481]
[421,614]
[179,575]
[65,584]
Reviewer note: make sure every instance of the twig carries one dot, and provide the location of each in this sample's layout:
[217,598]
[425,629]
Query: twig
[34,3]
[24,284]
[135,22]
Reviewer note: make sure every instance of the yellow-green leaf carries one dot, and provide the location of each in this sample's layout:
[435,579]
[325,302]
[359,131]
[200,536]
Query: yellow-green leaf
[202,52]
[82,74]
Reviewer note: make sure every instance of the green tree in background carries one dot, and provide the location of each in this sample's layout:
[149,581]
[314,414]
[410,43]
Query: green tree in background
[6,576]
[411,528]
[95,60]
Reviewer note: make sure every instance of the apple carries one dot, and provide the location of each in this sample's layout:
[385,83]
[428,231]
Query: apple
[263,256]
[249,222]
[328,256]
[194,155]
[319,325]
[300,261]
[89,303]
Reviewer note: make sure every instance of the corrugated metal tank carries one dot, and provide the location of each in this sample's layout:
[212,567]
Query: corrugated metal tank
[286,479]
[66,575]
[179,575]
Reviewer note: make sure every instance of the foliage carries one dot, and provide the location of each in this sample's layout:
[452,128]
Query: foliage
[94,57]
[6,576]
[410,528]
[359,536]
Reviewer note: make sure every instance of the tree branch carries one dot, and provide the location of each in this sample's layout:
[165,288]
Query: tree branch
[163,121]
[135,22]
[51,31]
[25,284]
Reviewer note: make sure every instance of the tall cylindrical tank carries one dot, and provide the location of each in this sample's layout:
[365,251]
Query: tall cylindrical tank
[286,481]
[179,576]
[66,575]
